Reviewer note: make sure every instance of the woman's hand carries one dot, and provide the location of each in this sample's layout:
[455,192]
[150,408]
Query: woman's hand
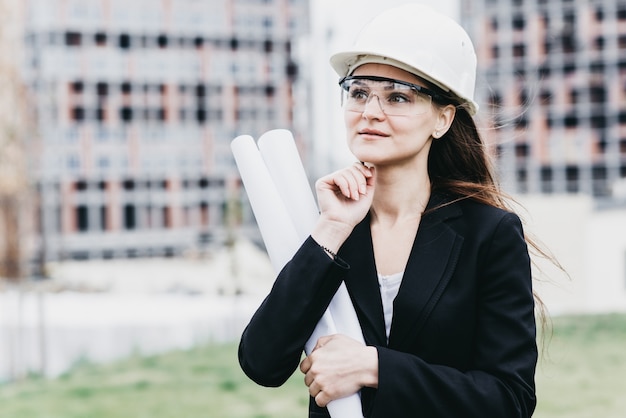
[338,367]
[344,198]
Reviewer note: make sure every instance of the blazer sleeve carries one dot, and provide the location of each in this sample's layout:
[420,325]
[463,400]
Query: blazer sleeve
[271,345]
[499,381]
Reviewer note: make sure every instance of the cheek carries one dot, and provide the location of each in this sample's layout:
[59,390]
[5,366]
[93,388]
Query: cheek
[351,118]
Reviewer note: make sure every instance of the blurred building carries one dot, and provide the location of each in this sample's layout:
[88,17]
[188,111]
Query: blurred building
[552,89]
[552,78]
[137,102]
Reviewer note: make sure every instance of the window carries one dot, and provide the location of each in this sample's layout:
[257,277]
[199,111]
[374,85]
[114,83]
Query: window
[82,218]
[521,122]
[599,121]
[597,67]
[201,115]
[599,172]
[129,217]
[78,114]
[568,41]
[77,87]
[599,14]
[570,120]
[546,179]
[128,184]
[81,185]
[124,41]
[597,94]
[103,217]
[571,175]
[518,22]
[545,97]
[126,87]
[100,38]
[162,41]
[599,42]
[126,113]
[522,150]
[72,39]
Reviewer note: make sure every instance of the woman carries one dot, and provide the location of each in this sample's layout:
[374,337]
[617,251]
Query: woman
[436,266]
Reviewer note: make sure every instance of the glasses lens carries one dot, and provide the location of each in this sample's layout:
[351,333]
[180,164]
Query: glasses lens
[394,98]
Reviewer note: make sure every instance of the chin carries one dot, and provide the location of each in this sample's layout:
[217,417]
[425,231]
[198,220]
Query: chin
[366,153]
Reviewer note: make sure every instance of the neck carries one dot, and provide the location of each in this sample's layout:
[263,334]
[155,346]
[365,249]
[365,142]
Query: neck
[401,195]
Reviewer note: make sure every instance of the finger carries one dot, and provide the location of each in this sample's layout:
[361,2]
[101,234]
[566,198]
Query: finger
[347,184]
[308,379]
[305,365]
[322,341]
[321,399]
[358,181]
[365,170]
[367,178]
[314,388]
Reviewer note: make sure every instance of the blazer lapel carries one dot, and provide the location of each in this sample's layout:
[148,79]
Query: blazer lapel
[431,264]
[362,283]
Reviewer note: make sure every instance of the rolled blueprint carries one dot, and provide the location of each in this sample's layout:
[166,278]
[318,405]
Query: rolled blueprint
[283,162]
[278,233]
[283,204]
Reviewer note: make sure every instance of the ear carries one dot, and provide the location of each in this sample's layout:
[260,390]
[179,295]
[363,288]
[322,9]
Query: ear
[445,116]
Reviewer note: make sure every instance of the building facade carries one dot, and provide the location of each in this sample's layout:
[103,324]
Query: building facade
[552,84]
[552,87]
[136,105]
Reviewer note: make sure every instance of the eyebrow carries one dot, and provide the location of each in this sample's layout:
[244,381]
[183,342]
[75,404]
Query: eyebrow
[388,84]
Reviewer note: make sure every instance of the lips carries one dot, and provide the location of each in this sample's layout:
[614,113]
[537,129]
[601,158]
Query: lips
[372,132]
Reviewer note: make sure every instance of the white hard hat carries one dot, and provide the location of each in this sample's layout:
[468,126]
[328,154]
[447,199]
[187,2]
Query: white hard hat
[420,40]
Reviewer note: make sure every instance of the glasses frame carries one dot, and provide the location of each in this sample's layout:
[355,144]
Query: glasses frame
[439,98]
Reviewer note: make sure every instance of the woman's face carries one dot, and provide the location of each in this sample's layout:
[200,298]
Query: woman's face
[382,139]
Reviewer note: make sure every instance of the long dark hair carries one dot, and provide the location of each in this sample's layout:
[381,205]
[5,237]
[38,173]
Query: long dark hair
[460,166]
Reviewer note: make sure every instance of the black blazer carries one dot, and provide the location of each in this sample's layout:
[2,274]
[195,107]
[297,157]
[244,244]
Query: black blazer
[462,341]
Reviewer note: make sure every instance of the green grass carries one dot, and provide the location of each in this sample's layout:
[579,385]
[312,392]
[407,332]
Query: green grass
[203,382]
[581,375]
[583,372]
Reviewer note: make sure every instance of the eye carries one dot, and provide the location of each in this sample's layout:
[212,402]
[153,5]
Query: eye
[358,93]
[398,98]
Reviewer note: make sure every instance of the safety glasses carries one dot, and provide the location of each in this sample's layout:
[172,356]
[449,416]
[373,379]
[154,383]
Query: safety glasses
[395,97]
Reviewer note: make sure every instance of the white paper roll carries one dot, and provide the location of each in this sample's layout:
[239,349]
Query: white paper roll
[281,199]
[278,233]
[344,316]
[283,161]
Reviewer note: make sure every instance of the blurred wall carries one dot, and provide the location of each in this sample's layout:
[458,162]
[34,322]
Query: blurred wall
[591,246]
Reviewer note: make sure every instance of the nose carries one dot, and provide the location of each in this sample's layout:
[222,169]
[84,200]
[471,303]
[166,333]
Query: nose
[373,108]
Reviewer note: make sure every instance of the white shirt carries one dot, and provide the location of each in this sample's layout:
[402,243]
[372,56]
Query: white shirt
[389,286]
